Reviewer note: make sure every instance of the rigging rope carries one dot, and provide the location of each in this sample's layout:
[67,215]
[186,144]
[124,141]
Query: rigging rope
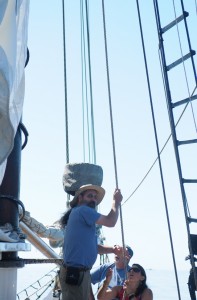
[84,53]
[111,120]
[84,82]
[186,79]
[65,83]
[90,81]
[183,63]
[168,98]
[185,204]
[189,43]
[165,144]
[195,5]
[65,92]
[157,146]
[153,164]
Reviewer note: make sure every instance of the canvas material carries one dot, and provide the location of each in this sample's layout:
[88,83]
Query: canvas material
[79,174]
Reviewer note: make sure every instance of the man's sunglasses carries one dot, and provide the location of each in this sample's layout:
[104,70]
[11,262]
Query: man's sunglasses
[135,269]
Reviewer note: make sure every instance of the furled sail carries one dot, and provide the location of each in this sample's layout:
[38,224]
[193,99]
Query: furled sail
[13,55]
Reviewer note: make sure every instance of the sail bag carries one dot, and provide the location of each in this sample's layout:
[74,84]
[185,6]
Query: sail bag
[78,174]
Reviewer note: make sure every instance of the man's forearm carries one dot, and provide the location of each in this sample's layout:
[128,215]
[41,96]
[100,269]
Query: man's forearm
[113,214]
[111,219]
[103,249]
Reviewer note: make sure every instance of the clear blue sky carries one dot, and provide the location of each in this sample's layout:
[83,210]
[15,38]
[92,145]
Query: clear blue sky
[43,160]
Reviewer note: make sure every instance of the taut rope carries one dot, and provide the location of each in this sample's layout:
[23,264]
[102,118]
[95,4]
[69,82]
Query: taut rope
[111,120]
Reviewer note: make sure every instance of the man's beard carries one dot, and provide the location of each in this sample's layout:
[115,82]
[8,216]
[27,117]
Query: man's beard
[92,204]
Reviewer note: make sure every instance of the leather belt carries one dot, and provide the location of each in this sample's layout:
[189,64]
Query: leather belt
[81,269]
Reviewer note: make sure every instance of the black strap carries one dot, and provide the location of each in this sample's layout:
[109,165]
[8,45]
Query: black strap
[17,201]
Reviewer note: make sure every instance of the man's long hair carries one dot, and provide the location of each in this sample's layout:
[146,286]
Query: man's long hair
[65,217]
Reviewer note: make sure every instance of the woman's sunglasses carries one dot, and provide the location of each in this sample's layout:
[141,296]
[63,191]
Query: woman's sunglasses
[135,269]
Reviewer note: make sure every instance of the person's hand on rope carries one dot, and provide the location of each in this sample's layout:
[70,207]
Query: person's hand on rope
[111,219]
[117,197]
[122,253]
[117,250]
[127,255]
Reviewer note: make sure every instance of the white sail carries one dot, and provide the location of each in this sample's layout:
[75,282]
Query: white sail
[13,54]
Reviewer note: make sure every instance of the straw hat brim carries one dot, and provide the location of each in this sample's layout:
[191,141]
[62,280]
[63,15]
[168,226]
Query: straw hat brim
[100,193]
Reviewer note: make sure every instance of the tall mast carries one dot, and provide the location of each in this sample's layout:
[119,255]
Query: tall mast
[9,191]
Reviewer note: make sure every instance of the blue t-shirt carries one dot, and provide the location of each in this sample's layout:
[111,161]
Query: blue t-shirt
[98,275]
[80,240]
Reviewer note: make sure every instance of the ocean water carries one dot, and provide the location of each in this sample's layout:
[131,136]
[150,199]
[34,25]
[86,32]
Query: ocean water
[164,287]
[162,282]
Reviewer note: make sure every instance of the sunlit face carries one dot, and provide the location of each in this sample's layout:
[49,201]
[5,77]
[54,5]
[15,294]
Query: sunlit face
[89,198]
[135,274]
[123,257]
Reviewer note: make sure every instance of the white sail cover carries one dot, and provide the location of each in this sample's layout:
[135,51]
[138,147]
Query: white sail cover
[13,53]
